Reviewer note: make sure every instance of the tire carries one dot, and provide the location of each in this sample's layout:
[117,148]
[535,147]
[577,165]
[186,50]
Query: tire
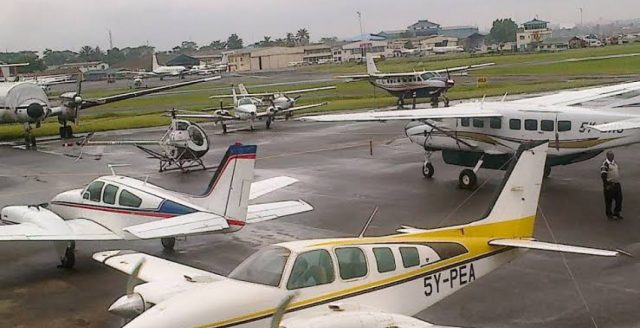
[428,170]
[467,179]
[69,258]
[268,122]
[224,128]
[547,171]
[168,243]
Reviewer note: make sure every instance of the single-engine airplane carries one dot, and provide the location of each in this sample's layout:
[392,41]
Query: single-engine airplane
[416,84]
[246,109]
[360,282]
[117,207]
[486,134]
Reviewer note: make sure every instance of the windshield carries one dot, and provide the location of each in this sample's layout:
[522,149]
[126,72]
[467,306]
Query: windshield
[429,75]
[244,101]
[264,267]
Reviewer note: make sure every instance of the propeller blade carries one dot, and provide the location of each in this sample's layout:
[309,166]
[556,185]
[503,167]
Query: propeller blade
[281,310]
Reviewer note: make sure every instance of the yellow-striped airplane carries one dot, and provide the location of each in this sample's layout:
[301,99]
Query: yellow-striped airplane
[347,282]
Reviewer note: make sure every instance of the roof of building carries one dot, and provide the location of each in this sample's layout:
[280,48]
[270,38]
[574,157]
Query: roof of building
[458,27]
[535,21]
[272,51]
[424,23]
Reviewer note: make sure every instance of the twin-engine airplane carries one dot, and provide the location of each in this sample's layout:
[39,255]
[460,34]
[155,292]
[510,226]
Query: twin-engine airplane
[346,282]
[121,208]
[246,107]
[206,69]
[422,84]
[486,134]
[27,103]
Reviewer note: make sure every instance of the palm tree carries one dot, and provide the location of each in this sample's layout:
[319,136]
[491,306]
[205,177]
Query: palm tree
[303,36]
[266,42]
[290,39]
[85,53]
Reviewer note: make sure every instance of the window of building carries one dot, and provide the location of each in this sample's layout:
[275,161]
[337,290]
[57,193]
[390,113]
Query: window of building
[495,122]
[564,126]
[546,125]
[531,125]
[128,199]
[464,121]
[94,191]
[311,269]
[384,258]
[515,124]
[109,194]
[351,262]
[478,123]
[410,256]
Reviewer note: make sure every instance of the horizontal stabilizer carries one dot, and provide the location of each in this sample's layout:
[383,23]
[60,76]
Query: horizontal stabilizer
[188,224]
[539,245]
[266,186]
[154,268]
[270,211]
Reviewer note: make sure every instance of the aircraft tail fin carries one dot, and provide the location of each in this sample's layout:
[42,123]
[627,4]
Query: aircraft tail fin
[229,189]
[371,65]
[513,212]
[225,59]
[235,96]
[155,63]
[6,72]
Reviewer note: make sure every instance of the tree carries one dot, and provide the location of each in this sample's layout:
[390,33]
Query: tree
[503,30]
[97,54]
[188,46]
[114,56]
[234,42]
[217,44]
[266,42]
[85,53]
[302,36]
[329,40]
[290,40]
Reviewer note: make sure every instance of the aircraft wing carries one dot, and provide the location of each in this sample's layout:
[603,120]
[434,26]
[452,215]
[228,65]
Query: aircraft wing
[213,117]
[269,211]
[154,269]
[354,77]
[413,114]
[123,96]
[182,225]
[270,94]
[632,123]
[568,98]
[539,245]
[78,229]
[293,109]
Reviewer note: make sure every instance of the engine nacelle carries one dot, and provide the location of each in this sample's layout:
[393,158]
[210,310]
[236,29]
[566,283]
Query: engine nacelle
[33,112]
[128,306]
[37,215]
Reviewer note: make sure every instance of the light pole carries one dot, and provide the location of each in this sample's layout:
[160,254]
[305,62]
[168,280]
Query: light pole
[361,32]
[580,16]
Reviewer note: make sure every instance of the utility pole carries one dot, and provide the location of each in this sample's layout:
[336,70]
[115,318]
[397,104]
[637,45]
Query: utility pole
[110,40]
[580,16]
[361,33]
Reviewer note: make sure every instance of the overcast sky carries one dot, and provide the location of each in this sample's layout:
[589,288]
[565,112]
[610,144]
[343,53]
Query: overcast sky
[70,24]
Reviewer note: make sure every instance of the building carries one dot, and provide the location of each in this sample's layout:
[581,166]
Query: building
[435,42]
[474,43]
[183,60]
[532,32]
[459,32]
[208,57]
[424,27]
[275,57]
[394,34]
[354,51]
[317,53]
[240,60]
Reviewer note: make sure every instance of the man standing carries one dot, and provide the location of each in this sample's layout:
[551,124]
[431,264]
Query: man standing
[610,174]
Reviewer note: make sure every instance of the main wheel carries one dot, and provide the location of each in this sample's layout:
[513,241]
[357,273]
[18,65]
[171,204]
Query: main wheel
[69,259]
[168,243]
[547,171]
[268,122]
[427,170]
[467,179]
[224,128]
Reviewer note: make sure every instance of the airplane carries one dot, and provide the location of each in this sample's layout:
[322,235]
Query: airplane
[206,69]
[445,49]
[485,134]
[183,145]
[116,207]
[422,84]
[274,101]
[27,103]
[246,109]
[162,71]
[343,282]
[44,81]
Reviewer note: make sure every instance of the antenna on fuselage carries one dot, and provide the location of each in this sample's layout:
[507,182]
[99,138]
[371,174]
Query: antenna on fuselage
[505,96]
[366,225]
[112,166]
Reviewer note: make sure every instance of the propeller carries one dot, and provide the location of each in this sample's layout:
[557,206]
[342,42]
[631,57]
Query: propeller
[281,310]
[77,102]
[132,304]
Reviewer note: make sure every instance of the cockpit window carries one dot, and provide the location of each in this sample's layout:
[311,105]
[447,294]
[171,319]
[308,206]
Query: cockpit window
[109,194]
[430,75]
[129,200]
[94,191]
[244,101]
[264,267]
[196,136]
[182,126]
[312,268]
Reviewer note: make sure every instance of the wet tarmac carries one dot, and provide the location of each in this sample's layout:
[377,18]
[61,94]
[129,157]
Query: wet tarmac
[344,179]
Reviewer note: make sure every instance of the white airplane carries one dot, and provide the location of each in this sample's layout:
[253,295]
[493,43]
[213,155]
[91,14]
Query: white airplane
[117,207]
[44,81]
[27,103]
[344,282]
[446,49]
[485,134]
[206,69]
[246,109]
[162,71]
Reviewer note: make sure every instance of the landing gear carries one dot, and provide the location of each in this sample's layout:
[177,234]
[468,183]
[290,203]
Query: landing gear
[66,132]
[29,138]
[446,101]
[427,168]
[414,95]
[434,102]
[268,122]
[224,128]
[547,171]
[401,102]
[168,243]
[287,116]
[467,179]
[68,260]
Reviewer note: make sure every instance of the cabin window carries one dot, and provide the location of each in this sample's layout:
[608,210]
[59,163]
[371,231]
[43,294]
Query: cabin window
[564,126]
[478,123]
[531,125]
[128,199]
[546,125]
[384,258]
[464,121]
[264,267]
[410,256]
[515,124]
[352,262]
[311,269]
[109,194]
[94,191]
[495,122]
